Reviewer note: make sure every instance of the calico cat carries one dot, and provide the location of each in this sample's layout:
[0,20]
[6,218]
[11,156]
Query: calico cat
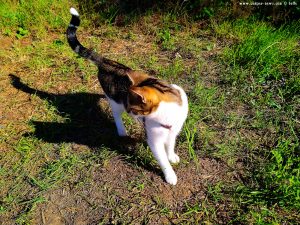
[162,107]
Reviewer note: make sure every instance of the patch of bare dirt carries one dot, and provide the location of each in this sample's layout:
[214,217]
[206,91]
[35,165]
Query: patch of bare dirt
[6,42]
[114,194]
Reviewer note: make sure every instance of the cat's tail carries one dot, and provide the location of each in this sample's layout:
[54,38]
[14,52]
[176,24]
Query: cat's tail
[75,44]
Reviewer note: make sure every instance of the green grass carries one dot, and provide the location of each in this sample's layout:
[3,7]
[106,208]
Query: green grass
[20,18]
[279,181]
[263,63]
[239,147]
[262,52]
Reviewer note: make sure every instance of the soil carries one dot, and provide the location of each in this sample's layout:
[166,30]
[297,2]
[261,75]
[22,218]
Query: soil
[91,202]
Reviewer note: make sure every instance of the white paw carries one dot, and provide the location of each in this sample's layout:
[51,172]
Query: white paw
[171,177]
[122,133]
[173,158]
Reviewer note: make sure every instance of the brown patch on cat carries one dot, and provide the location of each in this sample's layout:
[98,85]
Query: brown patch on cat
[142,100]
[173,96]
[165,91]
[147,92]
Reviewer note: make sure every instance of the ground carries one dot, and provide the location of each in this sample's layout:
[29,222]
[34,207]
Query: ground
[62,162]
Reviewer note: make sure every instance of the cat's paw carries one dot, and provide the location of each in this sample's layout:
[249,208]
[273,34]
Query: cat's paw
[122,133]
[173,158]
[171,177]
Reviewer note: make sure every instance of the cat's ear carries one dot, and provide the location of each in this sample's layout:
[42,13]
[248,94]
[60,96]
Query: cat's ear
[137,96]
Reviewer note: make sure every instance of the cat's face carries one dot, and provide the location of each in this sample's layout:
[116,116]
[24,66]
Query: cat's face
[142,101]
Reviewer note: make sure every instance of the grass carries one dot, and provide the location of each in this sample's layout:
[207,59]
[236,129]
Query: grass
[262,51]
[256,64]
[264,55]
[239,147]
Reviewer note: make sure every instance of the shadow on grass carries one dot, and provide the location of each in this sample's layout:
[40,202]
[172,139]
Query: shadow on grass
[87,123]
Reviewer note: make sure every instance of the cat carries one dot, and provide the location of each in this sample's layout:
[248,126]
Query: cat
[162,108]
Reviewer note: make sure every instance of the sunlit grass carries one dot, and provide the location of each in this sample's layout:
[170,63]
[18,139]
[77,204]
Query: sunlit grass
[242,80]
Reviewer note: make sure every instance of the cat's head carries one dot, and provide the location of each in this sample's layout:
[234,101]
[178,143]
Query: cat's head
[142,101]
[146,94]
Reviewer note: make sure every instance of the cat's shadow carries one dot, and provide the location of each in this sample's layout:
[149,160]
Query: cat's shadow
[85,122]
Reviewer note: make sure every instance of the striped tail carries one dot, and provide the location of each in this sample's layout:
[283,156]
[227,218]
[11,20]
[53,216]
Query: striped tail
[75,44]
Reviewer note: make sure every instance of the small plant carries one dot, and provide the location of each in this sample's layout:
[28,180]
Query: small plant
[215,191]
[173,70]
[191,209]
[190,131]
[165,39]
[21,33]
[283,176]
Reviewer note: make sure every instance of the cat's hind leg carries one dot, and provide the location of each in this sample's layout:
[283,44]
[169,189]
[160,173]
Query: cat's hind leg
[117,110]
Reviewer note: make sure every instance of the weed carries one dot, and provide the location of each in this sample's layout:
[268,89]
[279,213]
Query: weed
[282,178]
[190,133]
[142,156]
[166,39]
[22,33]
[136,185]
[227,151]
[172,71]
[215,191]
[192,209]
[203,105]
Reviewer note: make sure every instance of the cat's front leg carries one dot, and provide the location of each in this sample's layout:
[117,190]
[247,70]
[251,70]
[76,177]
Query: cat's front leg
[170,146]
[157,147]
